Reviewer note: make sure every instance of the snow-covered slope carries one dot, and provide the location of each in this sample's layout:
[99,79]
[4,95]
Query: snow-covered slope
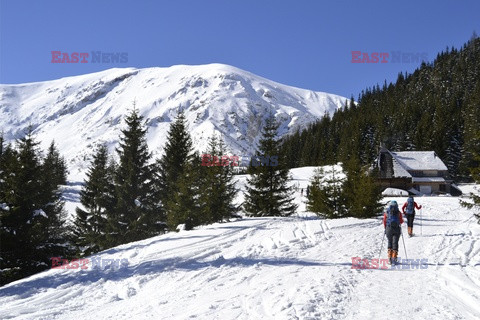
[271,268]
[79,112]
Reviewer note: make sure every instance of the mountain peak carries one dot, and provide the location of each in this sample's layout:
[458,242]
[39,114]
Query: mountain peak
[80,112]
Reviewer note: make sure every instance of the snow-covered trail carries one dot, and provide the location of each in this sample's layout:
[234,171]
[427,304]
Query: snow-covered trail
[270,268]
[449,287]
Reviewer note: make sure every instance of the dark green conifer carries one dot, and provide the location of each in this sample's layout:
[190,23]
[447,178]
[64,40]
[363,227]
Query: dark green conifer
[218,191]
[32,227]
[475,172]
[362,196]
[177,157]
[268,193]
[98,204]
[184,206]
[138,213]
[326,197]
[53,176]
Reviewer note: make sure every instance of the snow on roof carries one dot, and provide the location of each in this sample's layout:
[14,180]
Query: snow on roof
[398,169]
[428,179]
[419,160]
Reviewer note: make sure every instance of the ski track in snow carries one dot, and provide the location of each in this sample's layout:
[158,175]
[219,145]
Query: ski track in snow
[271,268]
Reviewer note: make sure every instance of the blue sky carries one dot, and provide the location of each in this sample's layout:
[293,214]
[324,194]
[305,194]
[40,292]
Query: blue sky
[306,44]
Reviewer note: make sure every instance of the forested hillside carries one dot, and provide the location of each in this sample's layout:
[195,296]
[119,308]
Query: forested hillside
[437,107]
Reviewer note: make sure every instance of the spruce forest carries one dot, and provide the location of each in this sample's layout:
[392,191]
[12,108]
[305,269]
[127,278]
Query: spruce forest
[437,107]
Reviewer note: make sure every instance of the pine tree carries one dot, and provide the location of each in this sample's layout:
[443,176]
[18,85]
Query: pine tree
[22,216]
[53,175]
[32,217]
[471,119]
[8,158]
[26,207]
[54,167]
[172,176]
[138,213]
[475,172]
[9,264]
[326,197]
[316,195]
[218,191]
[98,200]
[267,191]
[184,206]
[2,141]
[362,195]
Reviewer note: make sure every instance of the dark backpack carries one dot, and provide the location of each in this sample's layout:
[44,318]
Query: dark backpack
[410,206]
[393,216]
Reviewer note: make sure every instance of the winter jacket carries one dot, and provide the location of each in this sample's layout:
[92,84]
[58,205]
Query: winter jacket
[414,204]
[385,218]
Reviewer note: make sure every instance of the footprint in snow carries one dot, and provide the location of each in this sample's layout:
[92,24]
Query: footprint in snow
[131,292]
[115,298]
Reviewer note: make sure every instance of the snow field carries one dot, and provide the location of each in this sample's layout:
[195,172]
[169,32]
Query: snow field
[271,268]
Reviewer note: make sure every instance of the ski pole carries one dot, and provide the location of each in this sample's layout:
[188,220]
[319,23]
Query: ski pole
[404,248]
[381,247]
[421,222]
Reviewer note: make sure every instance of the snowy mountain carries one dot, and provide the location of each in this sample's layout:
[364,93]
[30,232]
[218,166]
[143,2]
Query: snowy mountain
[80,112]
[298,267]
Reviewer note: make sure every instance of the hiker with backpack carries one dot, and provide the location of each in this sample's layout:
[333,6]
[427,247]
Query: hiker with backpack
[409,212]
[392,219]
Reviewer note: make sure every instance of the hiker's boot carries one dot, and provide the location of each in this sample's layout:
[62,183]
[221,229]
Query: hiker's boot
[394,256]
[390,254]
[410,231]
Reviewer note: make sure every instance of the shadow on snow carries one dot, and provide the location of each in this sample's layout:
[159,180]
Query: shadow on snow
[69,278]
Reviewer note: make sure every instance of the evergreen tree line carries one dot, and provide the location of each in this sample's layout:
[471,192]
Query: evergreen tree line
[139,198]
[32,216]
[437,108]
[132,199]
